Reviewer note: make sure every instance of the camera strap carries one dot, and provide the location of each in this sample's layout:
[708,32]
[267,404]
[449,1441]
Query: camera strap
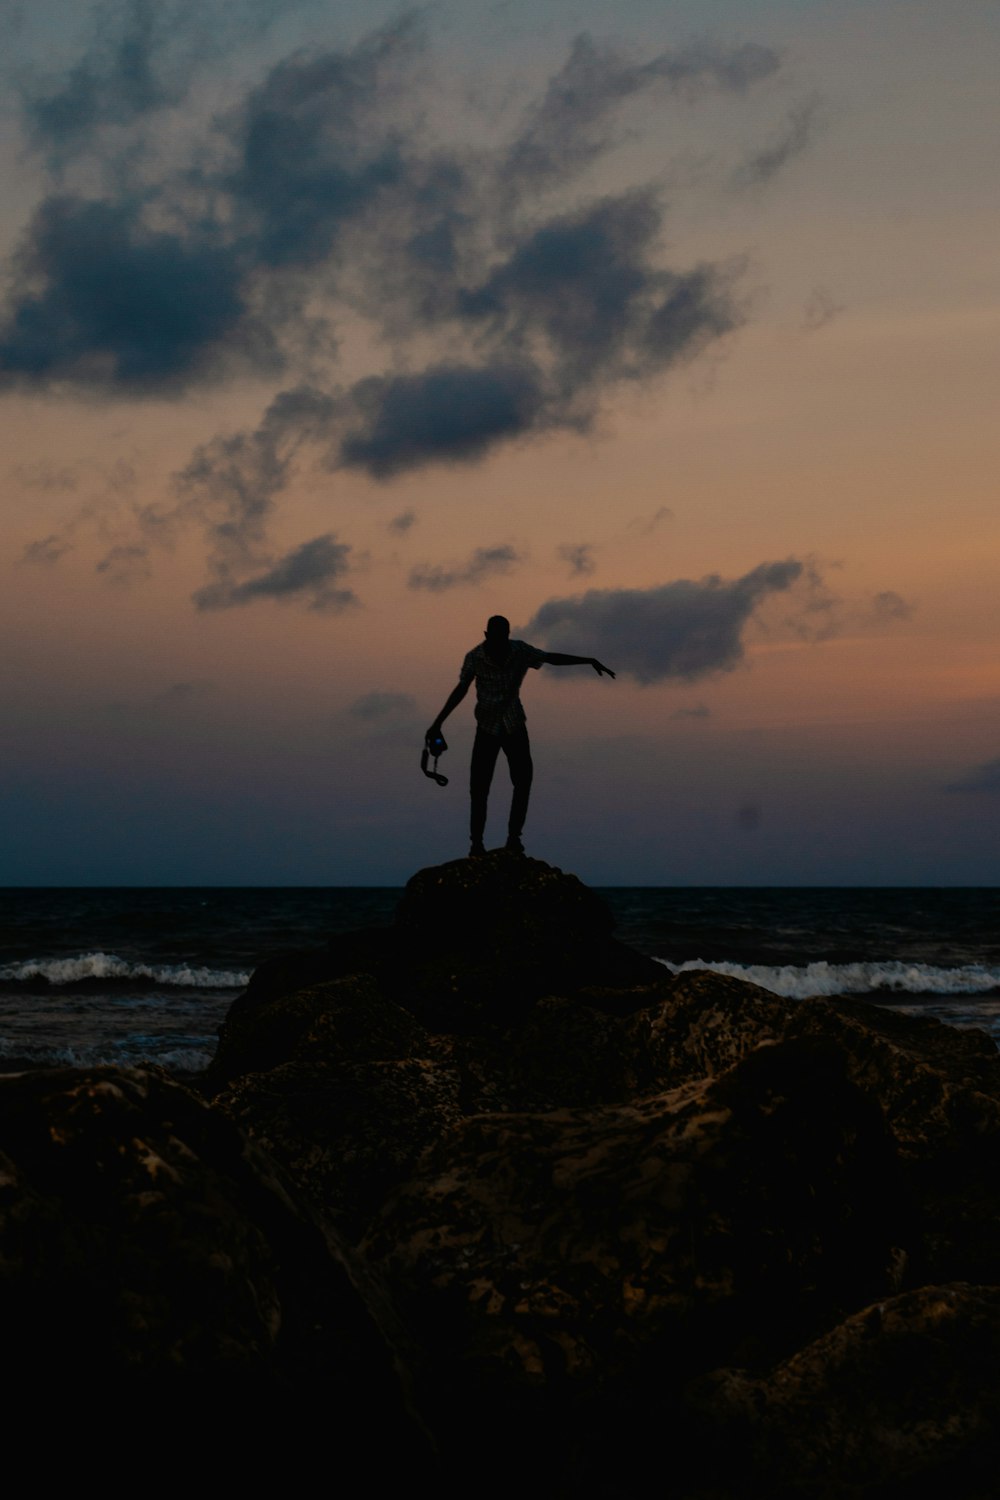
[435,775]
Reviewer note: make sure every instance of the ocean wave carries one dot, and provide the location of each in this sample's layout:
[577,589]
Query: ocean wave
[805,981]
[184,1059]
[87,967]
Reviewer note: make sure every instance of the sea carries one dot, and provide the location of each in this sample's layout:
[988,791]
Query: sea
[136,976]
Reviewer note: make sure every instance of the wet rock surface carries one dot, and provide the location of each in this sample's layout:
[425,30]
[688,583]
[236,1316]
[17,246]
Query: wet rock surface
[563,1221]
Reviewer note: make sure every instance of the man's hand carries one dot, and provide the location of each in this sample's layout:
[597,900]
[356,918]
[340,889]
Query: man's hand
[435,740]
[600,668]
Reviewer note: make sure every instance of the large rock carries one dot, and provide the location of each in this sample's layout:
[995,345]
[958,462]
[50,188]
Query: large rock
[938,1088]
[573,1185]
[154,1270]
[556,1272]
[358,1089]
[475,943]
[480,940]
[900,1400]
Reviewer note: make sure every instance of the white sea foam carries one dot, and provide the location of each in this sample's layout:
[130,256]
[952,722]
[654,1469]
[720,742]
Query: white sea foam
[802,981]
[109,966]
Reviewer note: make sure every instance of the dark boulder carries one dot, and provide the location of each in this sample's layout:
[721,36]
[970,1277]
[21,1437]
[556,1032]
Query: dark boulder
[154,1270]
[480,940]
[348,1133]
[561,1275]
[343,1019]
[900,1400]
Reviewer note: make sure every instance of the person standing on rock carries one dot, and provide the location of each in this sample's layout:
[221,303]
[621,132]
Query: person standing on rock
[498,667]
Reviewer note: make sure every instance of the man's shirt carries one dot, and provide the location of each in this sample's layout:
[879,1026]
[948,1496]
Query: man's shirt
[498,707]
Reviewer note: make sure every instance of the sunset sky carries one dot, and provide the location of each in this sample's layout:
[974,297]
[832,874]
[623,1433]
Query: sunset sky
[668,330]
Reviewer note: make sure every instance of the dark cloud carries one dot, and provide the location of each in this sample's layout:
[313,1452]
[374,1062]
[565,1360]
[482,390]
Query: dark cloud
[140,59]
[577,305]
[125,564]
[229,485]
[888,605]
[47,550]
[984,778]
[449,413]
[796,133]
[568,127]
[579,556]
[323,193]
[314,151]
[402,523]
[821,308]
[684,630]
[381,706]
[648,524]
[103,300]
[115,82]
[168,276]
[307,573]
[587,285]
[145,289]
[485,562]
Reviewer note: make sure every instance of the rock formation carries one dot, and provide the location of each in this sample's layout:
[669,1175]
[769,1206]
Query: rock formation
[568,1225]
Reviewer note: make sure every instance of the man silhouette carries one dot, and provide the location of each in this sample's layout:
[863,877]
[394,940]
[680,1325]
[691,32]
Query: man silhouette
[498,667]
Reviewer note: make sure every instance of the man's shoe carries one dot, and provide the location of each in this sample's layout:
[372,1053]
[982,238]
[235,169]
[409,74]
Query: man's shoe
[513,844]
[477,847]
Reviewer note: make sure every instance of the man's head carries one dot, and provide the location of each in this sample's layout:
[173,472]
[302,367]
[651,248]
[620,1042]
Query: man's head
[497,629]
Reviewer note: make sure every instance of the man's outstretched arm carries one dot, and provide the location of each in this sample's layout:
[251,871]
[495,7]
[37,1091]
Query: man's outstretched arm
[560,659]
[455,697]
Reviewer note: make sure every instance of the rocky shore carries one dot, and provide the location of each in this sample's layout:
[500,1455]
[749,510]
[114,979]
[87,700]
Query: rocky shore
[490,1201]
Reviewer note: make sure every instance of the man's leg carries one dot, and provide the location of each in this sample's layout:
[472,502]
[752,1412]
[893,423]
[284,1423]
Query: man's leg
[485,749]
[518,752]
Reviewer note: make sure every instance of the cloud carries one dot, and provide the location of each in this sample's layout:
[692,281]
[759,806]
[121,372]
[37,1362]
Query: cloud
[888,605]
[648,524]
[485,562]
[229,485]
[140,59]
[698,711]
[821,308]
[239,243]
[158,283]
[315,150]
[795,134]
[568,127]
[984,778]
[449,413]
[579,556]
[306,573]
[402,523]
[47,550]
[115,82]
[585,287]
[322,190]
[684,630]
[125,564]
[577,305]
[101,299]
[379,706]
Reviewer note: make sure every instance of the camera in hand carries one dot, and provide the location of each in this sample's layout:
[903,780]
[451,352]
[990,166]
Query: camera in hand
[434,745]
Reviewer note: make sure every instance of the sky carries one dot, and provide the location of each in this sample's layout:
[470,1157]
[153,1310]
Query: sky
[667,330]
